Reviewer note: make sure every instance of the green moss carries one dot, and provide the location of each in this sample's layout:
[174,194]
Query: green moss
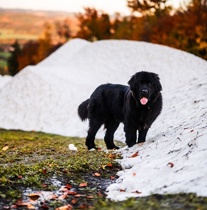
[31,159]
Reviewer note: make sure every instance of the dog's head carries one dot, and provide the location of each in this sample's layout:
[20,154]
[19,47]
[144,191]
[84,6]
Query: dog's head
[145,86]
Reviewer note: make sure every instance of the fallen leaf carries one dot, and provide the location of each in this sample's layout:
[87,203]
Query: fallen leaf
[84,184]
[112,156]
[52,197]
[62,197]
[34,196]
[66,207]
[112,177]
[121,190]
[100,195]
[74,201]
[137,192]
[170,164]
[134,174]
[72,193]
[5,148]
[83,206]
[30,206]
[109,165]
[68,186]
[44,185]
[97,174]
[90,196]
[135,154]
[20,203]
[45,206]
[79,195]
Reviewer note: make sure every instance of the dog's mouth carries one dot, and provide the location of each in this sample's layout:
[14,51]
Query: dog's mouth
[143,100]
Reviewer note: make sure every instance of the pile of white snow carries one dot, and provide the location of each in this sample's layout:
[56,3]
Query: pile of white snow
[45,98]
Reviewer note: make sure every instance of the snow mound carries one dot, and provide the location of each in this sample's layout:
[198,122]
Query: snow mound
[45,98]
[4,80]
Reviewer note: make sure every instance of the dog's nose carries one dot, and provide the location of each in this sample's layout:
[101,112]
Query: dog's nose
[145,91]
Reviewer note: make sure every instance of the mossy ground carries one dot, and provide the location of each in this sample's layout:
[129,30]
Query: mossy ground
[36,162]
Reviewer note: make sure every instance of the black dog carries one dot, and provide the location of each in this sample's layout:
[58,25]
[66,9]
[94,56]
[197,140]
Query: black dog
[137,106]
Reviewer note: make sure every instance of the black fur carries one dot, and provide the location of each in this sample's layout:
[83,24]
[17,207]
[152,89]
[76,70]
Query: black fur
[111,104]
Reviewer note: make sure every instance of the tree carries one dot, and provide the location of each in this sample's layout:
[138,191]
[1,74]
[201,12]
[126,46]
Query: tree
[94,25]
[13,64]
[149,7]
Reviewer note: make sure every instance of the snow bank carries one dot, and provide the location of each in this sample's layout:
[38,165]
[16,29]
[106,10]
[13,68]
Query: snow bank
[45,98]
[4,80]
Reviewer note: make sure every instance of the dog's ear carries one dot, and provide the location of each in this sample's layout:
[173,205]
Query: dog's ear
[131,82]
[157,84]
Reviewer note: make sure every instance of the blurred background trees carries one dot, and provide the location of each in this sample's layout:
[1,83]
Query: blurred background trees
[150,20]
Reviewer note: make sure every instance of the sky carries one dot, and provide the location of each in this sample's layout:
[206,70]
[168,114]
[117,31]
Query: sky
[109,6]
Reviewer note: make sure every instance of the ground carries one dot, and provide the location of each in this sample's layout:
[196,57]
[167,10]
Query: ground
[38,171]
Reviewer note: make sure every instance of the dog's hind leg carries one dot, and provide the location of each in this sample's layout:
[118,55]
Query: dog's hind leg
[111,126]
[94,126]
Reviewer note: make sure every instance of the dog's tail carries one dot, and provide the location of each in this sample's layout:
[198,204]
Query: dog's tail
[83,110]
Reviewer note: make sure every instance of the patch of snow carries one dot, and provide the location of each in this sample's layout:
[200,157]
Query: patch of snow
[45,98]
[4,80]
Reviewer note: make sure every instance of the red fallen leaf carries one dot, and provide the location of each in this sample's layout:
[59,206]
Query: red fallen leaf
[44,171]
[170,164]
[74,201]
[44,185]
[79,195]
[135,154]
[138,192]
[44,206]
[112,156]
[97,174]
[90,196]
[121,190]
[66,207]
[112,177]
[72,193]
[100,195]
[134,174]
[19,176]
[99,149]
[84,184]
[20,203]
[109,165]
[68,186]
[83,206]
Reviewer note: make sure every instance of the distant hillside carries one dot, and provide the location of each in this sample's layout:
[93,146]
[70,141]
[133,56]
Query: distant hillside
[28,24]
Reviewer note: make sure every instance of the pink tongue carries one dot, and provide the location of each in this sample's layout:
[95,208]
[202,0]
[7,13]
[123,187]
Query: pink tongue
[143,101]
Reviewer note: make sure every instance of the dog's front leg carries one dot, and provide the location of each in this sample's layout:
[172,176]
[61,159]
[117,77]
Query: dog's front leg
[131,135]
[142,135]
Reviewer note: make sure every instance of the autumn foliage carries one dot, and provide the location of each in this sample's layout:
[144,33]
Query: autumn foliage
[150,20]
